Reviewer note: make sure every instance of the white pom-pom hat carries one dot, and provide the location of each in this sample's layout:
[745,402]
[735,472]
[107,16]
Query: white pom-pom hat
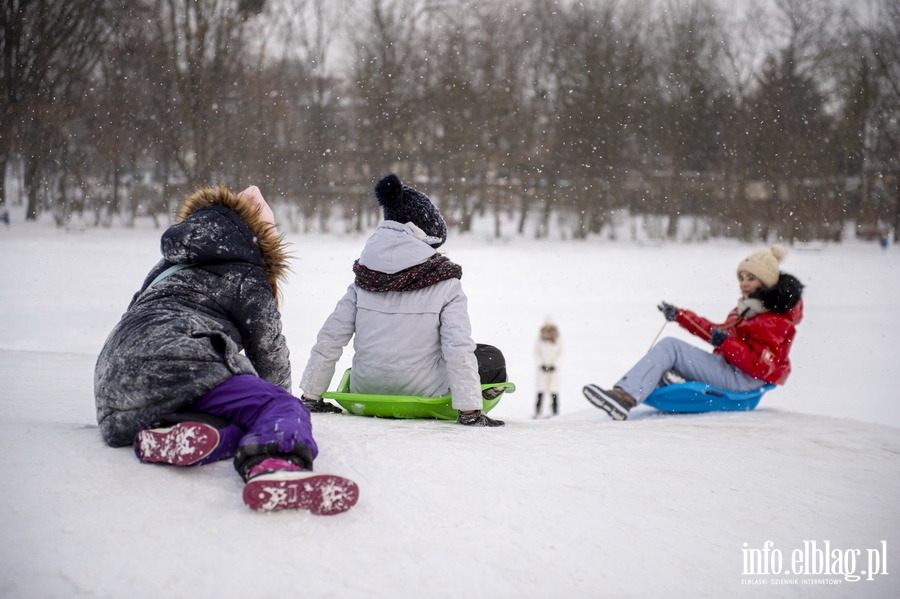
[764,264]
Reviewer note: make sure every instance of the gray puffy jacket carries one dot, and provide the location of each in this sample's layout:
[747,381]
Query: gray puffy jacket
[407,343]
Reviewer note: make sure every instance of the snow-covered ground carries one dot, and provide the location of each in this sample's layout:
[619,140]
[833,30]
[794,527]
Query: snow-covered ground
[575,506]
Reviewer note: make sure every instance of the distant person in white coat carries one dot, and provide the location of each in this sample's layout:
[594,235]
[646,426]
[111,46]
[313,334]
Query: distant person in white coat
[547,353]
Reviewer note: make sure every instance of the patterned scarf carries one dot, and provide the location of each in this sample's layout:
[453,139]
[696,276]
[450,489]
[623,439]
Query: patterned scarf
[434,270]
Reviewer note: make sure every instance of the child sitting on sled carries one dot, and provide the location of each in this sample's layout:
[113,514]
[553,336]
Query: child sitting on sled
[410,317]
[197,369]
[751,346]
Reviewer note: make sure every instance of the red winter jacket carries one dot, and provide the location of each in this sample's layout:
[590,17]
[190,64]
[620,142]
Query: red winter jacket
[758,346]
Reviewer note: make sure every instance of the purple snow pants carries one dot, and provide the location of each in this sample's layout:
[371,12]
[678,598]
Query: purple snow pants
[265,420]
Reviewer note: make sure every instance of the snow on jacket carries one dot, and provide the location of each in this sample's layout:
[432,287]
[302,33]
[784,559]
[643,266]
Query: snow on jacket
[547,354]
[406,342]
[200,326]
[758,346]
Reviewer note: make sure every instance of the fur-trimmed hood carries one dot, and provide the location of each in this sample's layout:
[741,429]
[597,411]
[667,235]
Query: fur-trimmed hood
[190,332]
[216,225]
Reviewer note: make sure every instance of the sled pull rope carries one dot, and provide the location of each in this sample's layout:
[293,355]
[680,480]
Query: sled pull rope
[657,336]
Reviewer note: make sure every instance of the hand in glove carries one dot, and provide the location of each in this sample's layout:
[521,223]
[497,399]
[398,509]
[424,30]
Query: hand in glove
[319,406]
[668,310]
[718,336]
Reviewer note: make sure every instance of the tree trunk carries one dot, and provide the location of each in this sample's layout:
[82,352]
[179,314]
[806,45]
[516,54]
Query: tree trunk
[543,229]
[897,208]
[4,158]
[32,185]
[523,216]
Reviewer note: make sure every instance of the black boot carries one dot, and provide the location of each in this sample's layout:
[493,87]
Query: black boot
[537,408]
[614,402]
[320,406]
[249,456]
[555,404]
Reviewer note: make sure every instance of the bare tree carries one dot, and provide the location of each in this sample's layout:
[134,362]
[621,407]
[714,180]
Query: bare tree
[884,131]
[310,131]
[46,48]
[382,70]
[596,130]
[696,108]
[792,135]
[451,96]
[202,42]
[129,128]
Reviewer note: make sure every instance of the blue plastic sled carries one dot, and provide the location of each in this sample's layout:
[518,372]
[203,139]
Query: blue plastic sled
[692,397]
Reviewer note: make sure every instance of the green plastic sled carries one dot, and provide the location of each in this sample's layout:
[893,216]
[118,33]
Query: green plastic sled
[403,406]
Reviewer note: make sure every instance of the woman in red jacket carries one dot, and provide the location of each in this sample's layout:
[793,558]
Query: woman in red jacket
[751,346]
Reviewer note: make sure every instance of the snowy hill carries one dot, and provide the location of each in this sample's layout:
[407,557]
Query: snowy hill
[575,506]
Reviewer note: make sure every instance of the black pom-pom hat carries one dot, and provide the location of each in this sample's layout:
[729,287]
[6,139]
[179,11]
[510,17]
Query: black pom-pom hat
[404,204]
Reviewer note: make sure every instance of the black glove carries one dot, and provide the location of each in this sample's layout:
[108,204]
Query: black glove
[718,336]
[319,406]
[478,418]
[668,310]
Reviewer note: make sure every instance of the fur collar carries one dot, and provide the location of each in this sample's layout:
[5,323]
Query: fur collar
[272,246]
[783,296]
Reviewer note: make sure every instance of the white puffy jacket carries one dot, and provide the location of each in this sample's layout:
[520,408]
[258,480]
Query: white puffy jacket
[407,343]
[548,353]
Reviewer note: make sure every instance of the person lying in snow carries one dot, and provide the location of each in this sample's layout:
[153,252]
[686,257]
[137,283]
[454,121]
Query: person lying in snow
[197,369]
[751,347]
[410,316]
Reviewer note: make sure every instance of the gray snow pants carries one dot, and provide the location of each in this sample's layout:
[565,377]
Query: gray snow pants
[691,362]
